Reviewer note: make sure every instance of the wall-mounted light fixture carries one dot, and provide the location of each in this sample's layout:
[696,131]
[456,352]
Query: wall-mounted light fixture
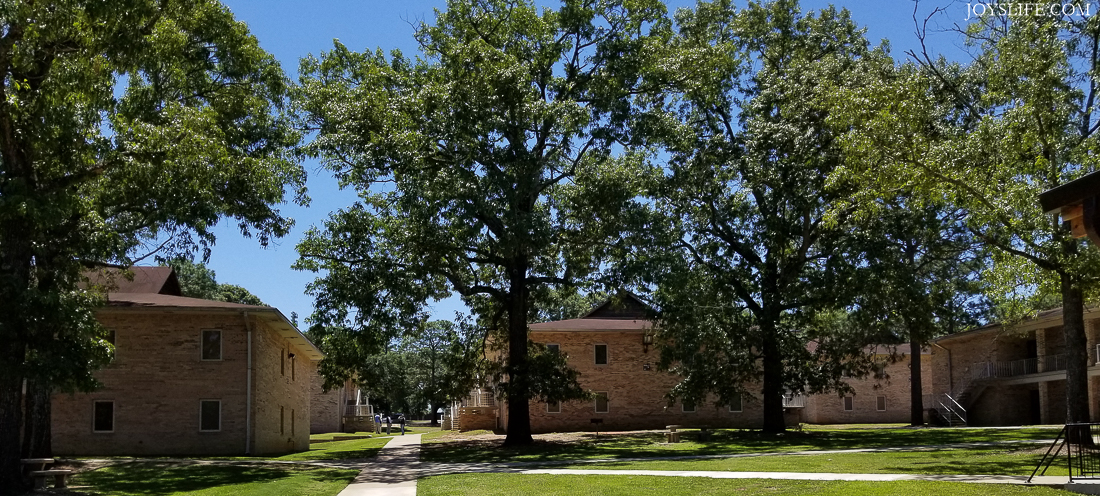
[647,339]
[290,355]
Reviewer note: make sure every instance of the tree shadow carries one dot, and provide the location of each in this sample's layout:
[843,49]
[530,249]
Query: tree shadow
[145,478]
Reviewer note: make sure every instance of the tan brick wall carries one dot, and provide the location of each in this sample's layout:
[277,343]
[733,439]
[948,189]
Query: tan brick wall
[157,380]
[325,408]
[829,408]
[636,396]
[472,418]
[281,399]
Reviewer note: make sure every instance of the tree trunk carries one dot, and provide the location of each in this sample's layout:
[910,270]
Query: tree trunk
[36,421]
[916,389]
[519,390]
[774,421]
[11,393]
[1073,327]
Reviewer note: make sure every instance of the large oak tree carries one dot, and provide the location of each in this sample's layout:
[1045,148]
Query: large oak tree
[127,128]
[483,165]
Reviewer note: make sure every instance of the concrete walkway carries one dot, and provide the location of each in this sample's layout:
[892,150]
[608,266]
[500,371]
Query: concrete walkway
[398,466]
[392,473]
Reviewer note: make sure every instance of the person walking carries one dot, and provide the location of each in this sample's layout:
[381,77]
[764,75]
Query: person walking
[377,423]
[401,420]
[389,423]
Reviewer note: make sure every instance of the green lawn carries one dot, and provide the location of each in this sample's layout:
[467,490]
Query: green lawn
[986,461]
[651,444]
[339,450]
[611,485]
[396,431]
[163,479]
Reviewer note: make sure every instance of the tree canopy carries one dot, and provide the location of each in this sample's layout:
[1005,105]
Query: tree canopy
[127,129]
[988,137]
[483,166]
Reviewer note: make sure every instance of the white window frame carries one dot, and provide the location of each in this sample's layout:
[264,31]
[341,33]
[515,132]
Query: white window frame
[606,401]
[553,403]
[557,347]
[684,408]
[219,402]
[880,401]
[96,402]
[849,403]
[202,345]
[606,354]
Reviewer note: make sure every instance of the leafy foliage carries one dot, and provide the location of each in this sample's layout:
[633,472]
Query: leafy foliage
[127,128]
[485,166]
[198,281]
[741,259]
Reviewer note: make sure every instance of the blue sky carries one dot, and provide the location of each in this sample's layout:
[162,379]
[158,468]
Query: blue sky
[292,29]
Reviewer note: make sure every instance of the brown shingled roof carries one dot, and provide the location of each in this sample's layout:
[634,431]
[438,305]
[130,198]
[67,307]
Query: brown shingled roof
[590,324]
[154,280]
[169,301]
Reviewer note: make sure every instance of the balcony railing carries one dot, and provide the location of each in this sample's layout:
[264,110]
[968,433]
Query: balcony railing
[1047,363]
[794,400]
[357,411]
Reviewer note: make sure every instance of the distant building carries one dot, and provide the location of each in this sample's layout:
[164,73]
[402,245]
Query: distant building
[190,377]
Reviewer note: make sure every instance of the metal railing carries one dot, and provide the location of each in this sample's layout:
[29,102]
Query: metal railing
[1082,445]
[794,400]
[358,411]
[953,409]
[1025,366]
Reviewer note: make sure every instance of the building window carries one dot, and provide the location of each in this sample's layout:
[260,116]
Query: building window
[553,407]
[881,403]
[735,403]
[110,336]
[292,369]
[282,421]
[880,371]
[291,421]
[211,344]
[210,415]
[601,402]
[282,362]
[687,407]
[848,404]
[103,416]
[553,348]
[601,354]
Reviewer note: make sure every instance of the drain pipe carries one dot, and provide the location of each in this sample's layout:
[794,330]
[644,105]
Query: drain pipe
[950,376]
[248,391]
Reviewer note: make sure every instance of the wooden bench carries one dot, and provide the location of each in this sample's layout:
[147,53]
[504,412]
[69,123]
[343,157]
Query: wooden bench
[673,434]
[59,476]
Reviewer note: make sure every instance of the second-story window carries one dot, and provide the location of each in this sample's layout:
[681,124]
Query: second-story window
[211,344]
[601,354]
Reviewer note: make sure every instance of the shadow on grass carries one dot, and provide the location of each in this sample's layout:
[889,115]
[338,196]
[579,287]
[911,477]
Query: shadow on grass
[651,444]
[164,478]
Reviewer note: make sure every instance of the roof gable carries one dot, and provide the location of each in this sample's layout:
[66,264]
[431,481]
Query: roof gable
[149,280]
[624,306]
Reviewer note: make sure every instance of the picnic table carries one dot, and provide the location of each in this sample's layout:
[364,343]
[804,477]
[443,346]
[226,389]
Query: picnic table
[673,434]
[40,473]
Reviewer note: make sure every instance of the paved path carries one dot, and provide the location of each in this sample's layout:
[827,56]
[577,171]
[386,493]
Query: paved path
[392,473]
[398,466]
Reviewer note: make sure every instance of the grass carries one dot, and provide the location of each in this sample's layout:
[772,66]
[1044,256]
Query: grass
[985,461]
[339,450]
[163,479]
[611,485]
[395,431]
[651,444]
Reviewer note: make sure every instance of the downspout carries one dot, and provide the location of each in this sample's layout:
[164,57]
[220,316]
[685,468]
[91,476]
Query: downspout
[248,391]
[950,376]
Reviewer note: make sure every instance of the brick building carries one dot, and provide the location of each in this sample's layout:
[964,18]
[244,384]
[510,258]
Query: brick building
[190,377]
[607,348]
[1015,375]
[882,397]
